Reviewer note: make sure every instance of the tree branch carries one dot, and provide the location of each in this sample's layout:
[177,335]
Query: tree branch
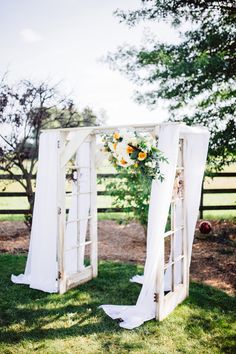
[13,175]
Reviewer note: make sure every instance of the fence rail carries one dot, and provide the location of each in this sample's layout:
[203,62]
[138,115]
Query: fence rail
[115,210]
[203,207]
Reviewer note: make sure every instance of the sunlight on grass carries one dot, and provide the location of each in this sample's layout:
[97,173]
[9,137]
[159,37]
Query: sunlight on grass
[33,321]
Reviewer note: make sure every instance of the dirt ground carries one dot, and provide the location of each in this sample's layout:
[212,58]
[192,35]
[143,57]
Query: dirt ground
[213,257]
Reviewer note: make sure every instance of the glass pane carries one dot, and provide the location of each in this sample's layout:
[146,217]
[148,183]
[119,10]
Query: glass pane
[168,280]
[178,190]
[178,272]
[178,243]
[179,215]
[87,255]
[167,249]
[168,223]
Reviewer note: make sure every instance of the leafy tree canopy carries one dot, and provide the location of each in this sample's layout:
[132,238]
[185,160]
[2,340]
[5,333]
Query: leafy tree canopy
[26,109]
[196,76]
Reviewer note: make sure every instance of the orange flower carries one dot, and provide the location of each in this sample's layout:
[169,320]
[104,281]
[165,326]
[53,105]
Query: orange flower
[116,135]
[114,146]
[142,156]
[129,149]
[123,162]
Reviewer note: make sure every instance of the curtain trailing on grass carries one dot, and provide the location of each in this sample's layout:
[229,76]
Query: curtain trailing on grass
[41,267]
[196,145]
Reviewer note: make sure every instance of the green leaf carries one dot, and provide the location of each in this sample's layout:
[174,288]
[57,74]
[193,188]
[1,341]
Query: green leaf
[134,155]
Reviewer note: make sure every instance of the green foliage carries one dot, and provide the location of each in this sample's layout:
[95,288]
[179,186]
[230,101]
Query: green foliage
[131,192]
[178,11]
[197,75]
[33,321]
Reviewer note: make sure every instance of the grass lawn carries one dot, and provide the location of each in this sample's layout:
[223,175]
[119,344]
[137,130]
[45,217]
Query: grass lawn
[32,321]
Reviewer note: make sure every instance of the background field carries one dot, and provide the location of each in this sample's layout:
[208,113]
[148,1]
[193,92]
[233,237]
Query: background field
[106,201]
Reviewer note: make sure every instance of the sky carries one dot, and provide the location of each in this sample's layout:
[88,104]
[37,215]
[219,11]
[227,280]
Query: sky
[63,40]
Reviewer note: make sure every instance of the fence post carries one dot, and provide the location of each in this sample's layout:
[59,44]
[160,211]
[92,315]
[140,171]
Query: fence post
[201,201]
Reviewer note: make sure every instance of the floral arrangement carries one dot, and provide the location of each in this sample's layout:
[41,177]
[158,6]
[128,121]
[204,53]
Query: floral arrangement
[137,152]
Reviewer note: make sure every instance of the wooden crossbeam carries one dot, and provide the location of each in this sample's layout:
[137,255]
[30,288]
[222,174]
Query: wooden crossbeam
[73,145]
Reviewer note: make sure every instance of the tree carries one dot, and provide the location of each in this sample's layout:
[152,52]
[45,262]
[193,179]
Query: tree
[196,77]
[26,109]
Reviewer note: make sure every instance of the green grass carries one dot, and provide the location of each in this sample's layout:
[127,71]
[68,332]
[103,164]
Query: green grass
[119,217]
[219,199]
[36,322]
[12,217]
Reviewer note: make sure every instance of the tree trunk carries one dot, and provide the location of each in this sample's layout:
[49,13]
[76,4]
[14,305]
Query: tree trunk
[30,197]
[145,232]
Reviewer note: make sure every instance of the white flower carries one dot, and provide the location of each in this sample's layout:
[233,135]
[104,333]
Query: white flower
[124,161]
[111,146]
[124,157]
[151,164]
[134,141]
[121,155]
[148,145]
[121,148]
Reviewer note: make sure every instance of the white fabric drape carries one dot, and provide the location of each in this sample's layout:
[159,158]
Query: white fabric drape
[195,154]
[41,267]
[194,161]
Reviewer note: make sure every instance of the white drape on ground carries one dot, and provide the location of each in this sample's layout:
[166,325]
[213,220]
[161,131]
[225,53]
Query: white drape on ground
[196,145]
[41,267]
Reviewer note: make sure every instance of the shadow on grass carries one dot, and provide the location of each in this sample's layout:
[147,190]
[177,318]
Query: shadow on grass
[27,314]
[213,312]
[30,314]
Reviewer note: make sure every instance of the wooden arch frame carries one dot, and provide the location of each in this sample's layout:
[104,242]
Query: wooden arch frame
[165,302]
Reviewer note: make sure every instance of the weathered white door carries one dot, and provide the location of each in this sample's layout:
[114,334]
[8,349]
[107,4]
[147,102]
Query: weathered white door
[174,266]
[77,243]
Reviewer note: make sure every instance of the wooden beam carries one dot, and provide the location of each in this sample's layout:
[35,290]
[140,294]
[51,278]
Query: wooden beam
[79,278]
[61,218]
[100,129]
[73,145]
[93,208]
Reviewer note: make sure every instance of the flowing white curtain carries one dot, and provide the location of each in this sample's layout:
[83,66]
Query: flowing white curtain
[41,267]
[196,145]
[195,154]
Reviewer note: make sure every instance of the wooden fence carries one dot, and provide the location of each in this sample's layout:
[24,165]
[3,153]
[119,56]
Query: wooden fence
[114,210]
[217,191]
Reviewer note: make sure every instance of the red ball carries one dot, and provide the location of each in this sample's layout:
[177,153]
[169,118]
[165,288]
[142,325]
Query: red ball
[205,227]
